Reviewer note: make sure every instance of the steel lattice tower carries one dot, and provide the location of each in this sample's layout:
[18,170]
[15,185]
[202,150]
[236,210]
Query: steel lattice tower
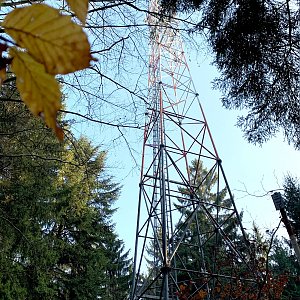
[175,199]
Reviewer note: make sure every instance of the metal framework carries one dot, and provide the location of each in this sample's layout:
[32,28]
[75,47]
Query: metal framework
[187,223]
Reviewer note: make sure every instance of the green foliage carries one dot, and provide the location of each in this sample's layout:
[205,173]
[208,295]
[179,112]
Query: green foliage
[283,261]
[118,273]
[283,258]
[202,230]
[56,234]
[180,5]
[202,249]
[292,202]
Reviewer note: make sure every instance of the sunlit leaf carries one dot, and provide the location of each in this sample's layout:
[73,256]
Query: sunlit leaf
[38,89]
[3,63]
[2,75]
[80,8]
[201,295]
[52,39]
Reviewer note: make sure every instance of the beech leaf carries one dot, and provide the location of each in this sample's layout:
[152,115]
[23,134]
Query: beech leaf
[38,89]
[80,8]
[3,63]
[51,38]
[2,75]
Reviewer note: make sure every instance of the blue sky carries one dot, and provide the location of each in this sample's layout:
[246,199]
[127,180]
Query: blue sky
[252,171]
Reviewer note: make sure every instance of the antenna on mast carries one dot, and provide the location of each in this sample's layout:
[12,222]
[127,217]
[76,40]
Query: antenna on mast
[187,220]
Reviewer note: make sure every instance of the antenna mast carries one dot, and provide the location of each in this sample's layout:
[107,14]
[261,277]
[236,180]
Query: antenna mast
[175,199]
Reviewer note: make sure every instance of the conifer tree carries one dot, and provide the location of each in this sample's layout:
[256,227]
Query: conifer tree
[211,256]
[292,202]
[255,46]
[202,230]
[284,263]
[283,258]
[56,232]
[118,271]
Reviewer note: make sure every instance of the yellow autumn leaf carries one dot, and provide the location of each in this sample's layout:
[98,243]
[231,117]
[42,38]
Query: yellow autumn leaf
[3,63]
[38,89]
[2,75]
[51,38]
[80,8]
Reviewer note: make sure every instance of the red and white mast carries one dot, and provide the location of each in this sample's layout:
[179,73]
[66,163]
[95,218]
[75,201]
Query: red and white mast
[176,133]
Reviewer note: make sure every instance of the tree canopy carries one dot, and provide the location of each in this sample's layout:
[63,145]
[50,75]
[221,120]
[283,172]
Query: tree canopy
[55,202]
[255,45]
[57,237]
[292,201]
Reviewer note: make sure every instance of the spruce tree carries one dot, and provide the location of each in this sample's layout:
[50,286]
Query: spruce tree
[213,256]
[118,271]
[284,263]
[201,229]
[255,46]
[292,202]
[56,232]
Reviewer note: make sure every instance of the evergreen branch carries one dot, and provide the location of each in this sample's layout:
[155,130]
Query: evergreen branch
[15,227]
[160,14]
[39,157]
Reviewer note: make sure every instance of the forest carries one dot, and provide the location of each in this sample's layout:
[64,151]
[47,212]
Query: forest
[69,65]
